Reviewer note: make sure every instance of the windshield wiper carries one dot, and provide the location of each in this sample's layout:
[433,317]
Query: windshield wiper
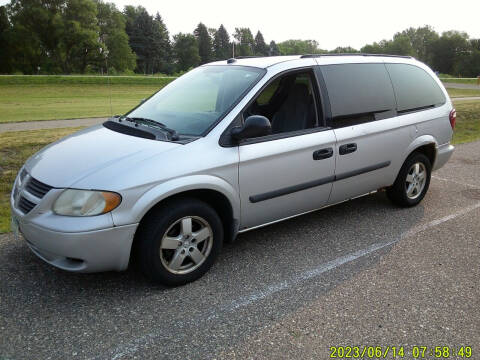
[173,133]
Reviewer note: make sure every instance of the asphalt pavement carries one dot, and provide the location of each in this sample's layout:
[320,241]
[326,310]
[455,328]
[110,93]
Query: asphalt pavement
[363,272]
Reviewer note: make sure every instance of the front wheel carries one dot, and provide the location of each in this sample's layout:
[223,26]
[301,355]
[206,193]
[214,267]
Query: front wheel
[179,242]
[412,181]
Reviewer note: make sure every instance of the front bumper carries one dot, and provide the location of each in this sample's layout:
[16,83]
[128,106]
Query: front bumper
[92,251]
[444,152]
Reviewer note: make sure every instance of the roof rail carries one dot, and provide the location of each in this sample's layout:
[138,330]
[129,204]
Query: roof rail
[353,54]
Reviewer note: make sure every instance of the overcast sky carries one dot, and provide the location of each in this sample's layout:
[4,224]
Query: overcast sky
[332,23]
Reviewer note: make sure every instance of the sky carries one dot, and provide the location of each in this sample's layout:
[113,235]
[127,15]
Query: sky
[332,23]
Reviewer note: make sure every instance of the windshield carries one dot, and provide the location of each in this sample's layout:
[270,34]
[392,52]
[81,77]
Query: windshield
[198,99]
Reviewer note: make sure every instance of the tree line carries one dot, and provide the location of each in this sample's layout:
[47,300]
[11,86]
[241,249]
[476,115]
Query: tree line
[93,36]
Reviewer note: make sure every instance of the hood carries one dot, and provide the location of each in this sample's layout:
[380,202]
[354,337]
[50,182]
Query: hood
[75,157]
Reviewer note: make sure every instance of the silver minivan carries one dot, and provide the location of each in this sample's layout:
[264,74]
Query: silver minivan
[229,147]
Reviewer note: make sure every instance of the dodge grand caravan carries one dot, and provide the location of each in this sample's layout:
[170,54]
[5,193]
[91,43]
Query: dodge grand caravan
[229,147]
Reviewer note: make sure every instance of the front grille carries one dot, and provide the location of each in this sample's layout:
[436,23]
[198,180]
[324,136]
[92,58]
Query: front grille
[25,205]
[37,188]
[28,192]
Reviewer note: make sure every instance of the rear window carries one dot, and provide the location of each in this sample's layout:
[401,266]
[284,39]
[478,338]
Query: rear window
[358,93]
[415,89]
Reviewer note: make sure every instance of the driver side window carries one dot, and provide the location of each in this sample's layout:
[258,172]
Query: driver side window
[289,103]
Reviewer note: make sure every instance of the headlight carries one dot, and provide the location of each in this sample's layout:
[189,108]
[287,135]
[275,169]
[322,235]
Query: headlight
[86,202]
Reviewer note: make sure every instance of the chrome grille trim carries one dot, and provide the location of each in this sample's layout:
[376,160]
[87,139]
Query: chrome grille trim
[28,192]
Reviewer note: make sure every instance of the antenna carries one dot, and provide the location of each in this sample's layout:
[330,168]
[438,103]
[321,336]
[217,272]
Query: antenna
[108,82]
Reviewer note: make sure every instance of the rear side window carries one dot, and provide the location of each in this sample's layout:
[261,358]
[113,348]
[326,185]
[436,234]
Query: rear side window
[358,93]
[415,89]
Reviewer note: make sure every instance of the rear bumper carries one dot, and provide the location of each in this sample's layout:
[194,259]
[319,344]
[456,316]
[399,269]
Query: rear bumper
[444,152]
[92,251]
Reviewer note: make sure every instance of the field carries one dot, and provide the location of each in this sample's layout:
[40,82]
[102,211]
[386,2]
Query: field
[468,122]
[28,98]
[472,81]
[15,148]
[463,92]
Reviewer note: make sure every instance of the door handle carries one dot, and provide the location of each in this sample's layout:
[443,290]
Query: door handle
[323,154]
[347,148]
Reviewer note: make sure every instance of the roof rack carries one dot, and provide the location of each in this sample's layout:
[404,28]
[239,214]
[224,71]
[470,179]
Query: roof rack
[353,54]
[248,57]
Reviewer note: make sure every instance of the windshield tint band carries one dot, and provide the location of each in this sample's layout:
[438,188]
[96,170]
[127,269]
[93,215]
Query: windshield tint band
[196,102]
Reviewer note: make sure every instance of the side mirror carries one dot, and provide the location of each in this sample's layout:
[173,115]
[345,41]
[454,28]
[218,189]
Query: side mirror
[254,126]
[142,101]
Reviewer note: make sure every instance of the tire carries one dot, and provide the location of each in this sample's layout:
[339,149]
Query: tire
[179,242]
[408,189]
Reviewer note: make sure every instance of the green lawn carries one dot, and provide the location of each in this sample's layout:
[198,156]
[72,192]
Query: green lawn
[463,92]
[472,81]
[15,148]
[60,101]
[27,98]
[468,122]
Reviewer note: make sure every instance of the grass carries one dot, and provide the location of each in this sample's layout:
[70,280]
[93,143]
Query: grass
[158,81]
[463,92]
[468,122]
[472,81]
[62,101]
[15,148]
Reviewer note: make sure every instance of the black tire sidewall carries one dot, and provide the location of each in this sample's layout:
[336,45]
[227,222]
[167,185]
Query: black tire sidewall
[154,228]
[398,193]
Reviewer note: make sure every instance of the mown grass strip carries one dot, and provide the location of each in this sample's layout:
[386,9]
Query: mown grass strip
[15,148]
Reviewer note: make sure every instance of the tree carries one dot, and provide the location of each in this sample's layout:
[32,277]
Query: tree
[80,34]
[299,47]
[468,65]
[36,34]
[148,38]
[273,49]
[163,48]
[114,38]
[421,40]
[205,48]
[221,44]
[400,45]
[5,35]
[375,48]
[448,49]
[246,42]
[344,50]
[261,48]
[185,50]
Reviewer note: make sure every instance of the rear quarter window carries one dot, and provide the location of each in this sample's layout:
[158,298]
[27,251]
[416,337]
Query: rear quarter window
[358,93]
[414,88]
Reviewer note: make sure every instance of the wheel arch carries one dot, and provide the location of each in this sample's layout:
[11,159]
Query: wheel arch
[426,145]
[216,192]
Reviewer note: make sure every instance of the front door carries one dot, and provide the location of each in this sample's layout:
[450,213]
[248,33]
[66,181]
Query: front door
[291,171]
[285,177]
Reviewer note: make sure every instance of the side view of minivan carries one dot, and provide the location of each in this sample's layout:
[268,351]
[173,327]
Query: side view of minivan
[229,147]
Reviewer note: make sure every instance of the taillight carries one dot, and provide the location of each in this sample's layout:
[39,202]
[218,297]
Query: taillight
[453,118]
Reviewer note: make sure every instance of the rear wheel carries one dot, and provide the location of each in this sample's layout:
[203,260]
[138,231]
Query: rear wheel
[412,181]
[178,243]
